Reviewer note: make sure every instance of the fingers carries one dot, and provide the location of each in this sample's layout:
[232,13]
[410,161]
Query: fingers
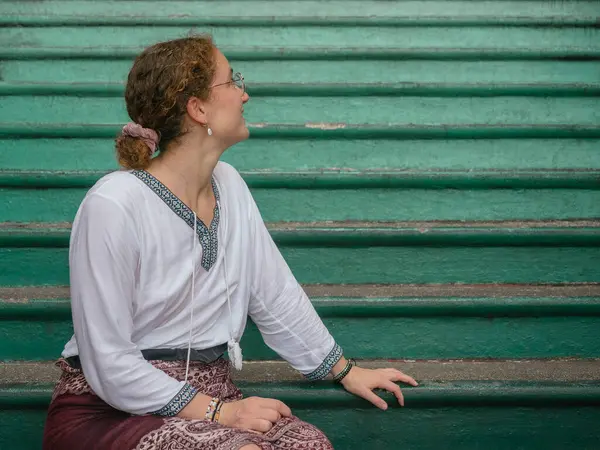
[369,395]
[260,425]
[272,415]
[400,376]
[394,389]
[279,406]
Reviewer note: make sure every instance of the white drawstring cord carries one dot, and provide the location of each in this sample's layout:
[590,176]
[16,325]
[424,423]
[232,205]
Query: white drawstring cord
[189,350]
[233,347]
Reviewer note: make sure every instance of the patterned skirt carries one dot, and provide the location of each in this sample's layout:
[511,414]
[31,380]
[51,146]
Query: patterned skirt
[78,419]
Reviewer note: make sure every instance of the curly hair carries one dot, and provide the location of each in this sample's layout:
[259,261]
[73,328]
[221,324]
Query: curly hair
[161,81]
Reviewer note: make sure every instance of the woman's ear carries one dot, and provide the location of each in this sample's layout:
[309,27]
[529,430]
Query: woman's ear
[196,109]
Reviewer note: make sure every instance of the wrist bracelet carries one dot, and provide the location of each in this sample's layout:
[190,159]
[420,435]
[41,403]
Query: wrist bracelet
[211,408]
[217,414]
[345,371]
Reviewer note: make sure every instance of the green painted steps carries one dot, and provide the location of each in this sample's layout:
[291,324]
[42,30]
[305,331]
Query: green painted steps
[79,155]
[456,118]
[330,89]
[454,322]
[387,253]
[465,415]
[345,178]
[241,13]
[26,204]
[560,370]
[344,111]
[261,53]
[329,130]
[307,38]
[402,72]
[370,234]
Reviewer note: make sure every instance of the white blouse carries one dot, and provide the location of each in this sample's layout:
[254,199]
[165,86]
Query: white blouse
[131,259]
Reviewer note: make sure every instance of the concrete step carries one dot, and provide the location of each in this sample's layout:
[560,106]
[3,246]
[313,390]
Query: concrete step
[348,89]
[387,70]
[340,110]
[326,253]
[383,195]
[426,372]
[372,322]
[471,404]
[275,40]
[40,158]
[275,13]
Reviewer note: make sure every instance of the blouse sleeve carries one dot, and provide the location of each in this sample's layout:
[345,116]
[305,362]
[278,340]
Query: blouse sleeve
[103,263]
[282,311]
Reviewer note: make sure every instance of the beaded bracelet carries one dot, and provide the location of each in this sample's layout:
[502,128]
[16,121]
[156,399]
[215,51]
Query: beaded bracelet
[217,414]
[211,408]
[345,371]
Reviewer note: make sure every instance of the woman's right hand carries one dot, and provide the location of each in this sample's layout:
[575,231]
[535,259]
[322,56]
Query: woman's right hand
[253,413]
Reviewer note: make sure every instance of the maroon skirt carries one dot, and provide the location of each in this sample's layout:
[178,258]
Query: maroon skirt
[78,419]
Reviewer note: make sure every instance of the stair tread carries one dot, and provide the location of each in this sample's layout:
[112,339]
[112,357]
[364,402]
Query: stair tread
[581,178]
[432,89]
[113,72]
[341,111]
[277,12]
[365,234]
[330,130]
[428,394]
[423,226]
[34,293]
[435,371]
[306,38]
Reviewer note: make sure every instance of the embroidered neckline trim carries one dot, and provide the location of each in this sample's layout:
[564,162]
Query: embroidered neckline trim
[209,239]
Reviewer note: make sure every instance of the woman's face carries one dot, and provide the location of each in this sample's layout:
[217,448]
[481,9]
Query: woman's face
[226,104]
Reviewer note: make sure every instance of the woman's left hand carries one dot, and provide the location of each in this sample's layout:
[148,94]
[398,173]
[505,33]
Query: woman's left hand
[361,382]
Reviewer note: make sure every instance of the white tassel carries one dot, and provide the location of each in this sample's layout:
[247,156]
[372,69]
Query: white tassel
[235,353]
[234,350]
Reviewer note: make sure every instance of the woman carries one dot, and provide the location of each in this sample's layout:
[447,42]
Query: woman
[167,259]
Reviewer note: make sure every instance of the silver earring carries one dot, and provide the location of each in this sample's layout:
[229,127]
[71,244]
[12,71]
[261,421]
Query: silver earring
[209,131]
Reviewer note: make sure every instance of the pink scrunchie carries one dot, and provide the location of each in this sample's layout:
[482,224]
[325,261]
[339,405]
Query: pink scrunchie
[149,136]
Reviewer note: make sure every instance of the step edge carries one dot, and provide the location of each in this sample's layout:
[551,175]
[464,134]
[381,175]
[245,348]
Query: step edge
[362,308]
[561,370]
[274,89]
[23,293]
[326,130]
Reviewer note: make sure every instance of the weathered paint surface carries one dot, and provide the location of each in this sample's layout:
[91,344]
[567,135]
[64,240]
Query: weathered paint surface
[529,72]
[412,264]
[314,12]
[351,110]
[413,111]
[374,234]
[381,37]
[466,416]
[344,155]
[308,205]
[514,328]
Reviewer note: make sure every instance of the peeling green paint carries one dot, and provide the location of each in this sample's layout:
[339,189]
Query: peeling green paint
[308,205]
[435,111]
[444,337]
[411,264]
[466,415]
[290,155]
[456,111]
[530,72]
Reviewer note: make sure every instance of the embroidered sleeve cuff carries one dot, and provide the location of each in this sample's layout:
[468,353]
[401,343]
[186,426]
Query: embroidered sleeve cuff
[177,403]
[323,370]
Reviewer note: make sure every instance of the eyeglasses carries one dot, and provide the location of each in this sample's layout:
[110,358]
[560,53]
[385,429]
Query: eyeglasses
[237,79]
